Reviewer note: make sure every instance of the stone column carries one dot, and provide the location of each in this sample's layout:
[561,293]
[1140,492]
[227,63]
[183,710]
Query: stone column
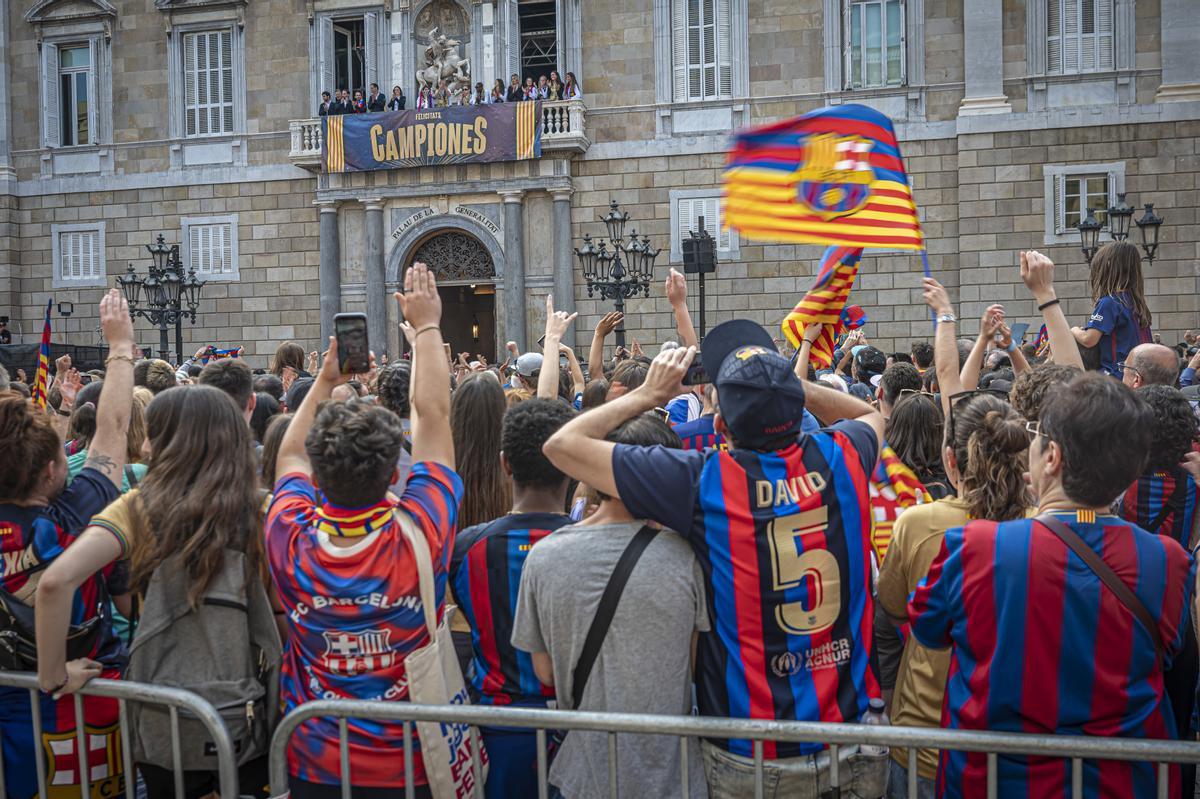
[983,59]
[1180,52]
[330,273]
[377,327]
[514,271]
[564,273]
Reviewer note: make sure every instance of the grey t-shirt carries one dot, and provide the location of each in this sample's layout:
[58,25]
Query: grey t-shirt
[644,663]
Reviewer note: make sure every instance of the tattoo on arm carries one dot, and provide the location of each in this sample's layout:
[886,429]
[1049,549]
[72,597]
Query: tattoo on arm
[101,463]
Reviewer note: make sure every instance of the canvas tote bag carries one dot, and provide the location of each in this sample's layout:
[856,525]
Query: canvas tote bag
[434,678]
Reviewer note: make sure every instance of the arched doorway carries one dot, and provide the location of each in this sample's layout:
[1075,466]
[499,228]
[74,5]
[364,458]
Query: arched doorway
[466,277]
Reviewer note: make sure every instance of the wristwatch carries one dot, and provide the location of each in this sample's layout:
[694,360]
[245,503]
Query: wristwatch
[948,317]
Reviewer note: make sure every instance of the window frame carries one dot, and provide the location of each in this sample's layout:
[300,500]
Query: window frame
[177,83]
[197,46]
[99,90]
[1097,36]
[730,251]
[682,65]
[100,278]
[88,72]
[1055,177]
[849,9]
[188,222]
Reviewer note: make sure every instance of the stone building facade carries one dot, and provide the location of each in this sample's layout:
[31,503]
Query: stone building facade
[196,123]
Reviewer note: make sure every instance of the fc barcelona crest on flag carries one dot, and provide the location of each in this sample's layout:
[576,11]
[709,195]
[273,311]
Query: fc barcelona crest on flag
[834,177]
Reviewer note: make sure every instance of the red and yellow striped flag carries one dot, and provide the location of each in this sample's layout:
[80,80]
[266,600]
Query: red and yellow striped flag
[833,176]
[825,304]
[41,381]
[894,488]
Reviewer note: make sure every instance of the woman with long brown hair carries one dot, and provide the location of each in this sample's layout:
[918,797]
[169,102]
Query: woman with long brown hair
[985,455]
[476,420]
[199,501]
[1121,318]
[288,354]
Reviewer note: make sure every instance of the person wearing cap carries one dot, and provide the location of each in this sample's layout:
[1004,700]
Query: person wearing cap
[781,526]
[526,372]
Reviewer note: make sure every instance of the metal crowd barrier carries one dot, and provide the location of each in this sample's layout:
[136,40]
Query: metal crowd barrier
[1075,748]
[175,699]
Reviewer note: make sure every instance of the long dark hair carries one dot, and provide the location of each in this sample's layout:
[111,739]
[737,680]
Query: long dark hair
[914,432]
[992,450]
[476,421]
[28,441]
[200,495]
[1116,269]
[289,353]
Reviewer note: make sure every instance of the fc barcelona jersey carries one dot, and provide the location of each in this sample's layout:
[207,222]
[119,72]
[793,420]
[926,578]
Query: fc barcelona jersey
[485,575]
[1163,503]
[783,539]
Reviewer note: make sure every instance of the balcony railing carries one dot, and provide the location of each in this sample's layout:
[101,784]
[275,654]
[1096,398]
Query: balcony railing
[562,131]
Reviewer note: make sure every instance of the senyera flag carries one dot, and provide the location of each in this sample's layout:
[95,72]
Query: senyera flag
[833,176]
[41,381]
[825,305]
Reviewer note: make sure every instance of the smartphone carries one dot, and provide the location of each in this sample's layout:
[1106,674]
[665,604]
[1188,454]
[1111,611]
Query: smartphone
[1018,332]
[354,356]
[696,376]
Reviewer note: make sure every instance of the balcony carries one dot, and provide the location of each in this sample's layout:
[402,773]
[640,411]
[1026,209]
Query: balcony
[563,131]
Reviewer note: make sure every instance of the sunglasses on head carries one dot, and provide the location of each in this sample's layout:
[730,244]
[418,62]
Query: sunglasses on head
[956,399]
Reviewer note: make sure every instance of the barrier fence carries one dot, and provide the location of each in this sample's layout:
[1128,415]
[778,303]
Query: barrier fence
[175,699]
[1077,749]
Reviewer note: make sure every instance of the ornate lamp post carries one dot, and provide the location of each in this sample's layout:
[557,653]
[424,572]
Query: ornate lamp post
[161,295]
[622,272]
[1118,220]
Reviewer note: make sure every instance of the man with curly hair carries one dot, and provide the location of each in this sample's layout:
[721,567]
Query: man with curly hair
[485,571]
[1031,388]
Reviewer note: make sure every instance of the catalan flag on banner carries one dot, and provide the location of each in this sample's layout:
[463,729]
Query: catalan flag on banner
[825,304]
[41,381]
[833,176]
[894,488]
[1042,345]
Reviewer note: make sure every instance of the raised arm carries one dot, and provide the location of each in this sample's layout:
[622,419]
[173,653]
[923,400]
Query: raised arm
[596,354]
[1037,272]
[1015,354]
[577,381]
[579,448]
[557,323]
[988,325]
[945,347]
[421,305]
[829,405]
[106,453]
[676,288]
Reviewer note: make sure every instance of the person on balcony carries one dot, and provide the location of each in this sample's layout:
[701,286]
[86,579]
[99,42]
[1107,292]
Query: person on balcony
[555,87]
[497,92]
[342,104]
[376,102]
[515,93]
[571,90]
[441,97]
[326,107]
[396,103]
[543,89]
[531,91]
[424,98]
[359,106]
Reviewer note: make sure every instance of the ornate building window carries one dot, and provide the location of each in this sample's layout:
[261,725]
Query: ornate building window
[456,256]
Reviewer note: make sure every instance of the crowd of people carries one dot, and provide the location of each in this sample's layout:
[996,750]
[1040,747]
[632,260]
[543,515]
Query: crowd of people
[976,534]
[373,101]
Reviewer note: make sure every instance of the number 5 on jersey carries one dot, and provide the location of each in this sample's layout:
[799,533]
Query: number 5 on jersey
[814,569]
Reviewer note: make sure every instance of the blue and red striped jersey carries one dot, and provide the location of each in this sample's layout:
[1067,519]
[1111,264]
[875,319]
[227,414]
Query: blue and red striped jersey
[1040,645]
[485,575]
[784,540]
[1163,503]
[354,614]
[699,434]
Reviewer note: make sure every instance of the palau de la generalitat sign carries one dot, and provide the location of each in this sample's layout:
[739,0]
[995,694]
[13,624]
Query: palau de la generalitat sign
[431,136]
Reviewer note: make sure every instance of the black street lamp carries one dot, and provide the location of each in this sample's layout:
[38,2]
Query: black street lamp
[607,273]
[159,297]
[1148,226]
[1089,234]
[1118,219]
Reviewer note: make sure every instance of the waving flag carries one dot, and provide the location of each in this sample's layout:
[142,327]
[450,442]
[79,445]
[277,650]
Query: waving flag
[833,176]
[215,354]
[41,381]
[825,304]
[1042,345]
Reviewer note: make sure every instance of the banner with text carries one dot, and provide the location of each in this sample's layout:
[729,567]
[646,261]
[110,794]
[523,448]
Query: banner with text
[430,136]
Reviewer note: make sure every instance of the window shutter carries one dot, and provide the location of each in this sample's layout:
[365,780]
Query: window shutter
[724,47]
[90,260]
[695,54]
[1070,61]
[226,107]
[371,48]
[1059,216]
[95,56]
[1104,35]
[189,85]
[679,60]
[848,54]
[684,220]
[325,62]
[226,251]
[194,249]
[1053,36]
[51,104]
[514,38]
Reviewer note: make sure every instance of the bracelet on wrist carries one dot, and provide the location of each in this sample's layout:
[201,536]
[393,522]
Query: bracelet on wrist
[1047,304]
[1012,346]
[425,328]
[112,358]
